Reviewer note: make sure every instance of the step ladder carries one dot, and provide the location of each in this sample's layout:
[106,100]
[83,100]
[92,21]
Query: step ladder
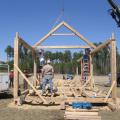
[85,69]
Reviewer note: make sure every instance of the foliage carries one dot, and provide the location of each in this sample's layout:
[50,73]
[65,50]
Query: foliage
[64,62]
[10,52]
[25,59]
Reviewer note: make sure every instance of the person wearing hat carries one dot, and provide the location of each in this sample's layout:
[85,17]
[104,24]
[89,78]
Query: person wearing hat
[11,78]
[47,74]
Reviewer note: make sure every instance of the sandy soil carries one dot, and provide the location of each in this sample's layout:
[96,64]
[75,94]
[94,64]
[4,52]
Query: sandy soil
[8,113]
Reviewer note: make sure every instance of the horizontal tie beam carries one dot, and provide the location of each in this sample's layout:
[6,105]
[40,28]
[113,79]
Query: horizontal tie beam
[63,47]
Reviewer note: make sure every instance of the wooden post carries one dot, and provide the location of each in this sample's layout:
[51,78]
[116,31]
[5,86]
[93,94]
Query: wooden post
[28,81]
[101,46]
[108,94]
[35,69]
[113,67]
[16,61]
[81,70]
[76,70]
[91,73]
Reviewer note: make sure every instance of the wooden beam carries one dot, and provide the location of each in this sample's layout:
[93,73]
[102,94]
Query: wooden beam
[108,94]
[77,71]
[38,82]
[82,113]
[86,83]
[79,60]
[113,68]
[28,81]
[63,47]
[71,29]
[92,100]
[81,67]
[35,69]
[63,34]
[70,109]
[113,106]
[79,35]
[25,91]
[103,45]
[91,73]
[49,34]
[26,45]
[16,61]
[81,117]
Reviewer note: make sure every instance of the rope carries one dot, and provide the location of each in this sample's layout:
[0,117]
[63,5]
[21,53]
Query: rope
[62,14]
[58,18]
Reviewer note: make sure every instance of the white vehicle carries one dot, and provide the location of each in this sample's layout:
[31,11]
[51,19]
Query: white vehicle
[4,78]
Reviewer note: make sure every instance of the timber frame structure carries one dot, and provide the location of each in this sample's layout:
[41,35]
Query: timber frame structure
[17,71]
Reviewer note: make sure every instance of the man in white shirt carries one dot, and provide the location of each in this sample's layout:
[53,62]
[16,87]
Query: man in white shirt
[47,74]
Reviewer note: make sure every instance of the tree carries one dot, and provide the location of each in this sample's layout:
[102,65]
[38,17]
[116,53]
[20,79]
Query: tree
[102,60]
[77,55]
[67,56]
[10,52]
[25,58]
[48,55]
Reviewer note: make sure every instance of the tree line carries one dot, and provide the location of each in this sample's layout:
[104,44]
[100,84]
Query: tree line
[64,62]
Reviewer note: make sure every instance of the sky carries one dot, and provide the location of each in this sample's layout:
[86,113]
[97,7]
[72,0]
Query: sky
[33,19]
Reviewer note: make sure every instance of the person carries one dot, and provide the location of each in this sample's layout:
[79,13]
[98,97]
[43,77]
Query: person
[42,61]
[11,78]
[47,74]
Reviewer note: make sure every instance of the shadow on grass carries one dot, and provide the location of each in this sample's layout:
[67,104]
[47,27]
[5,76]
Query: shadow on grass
[6,95]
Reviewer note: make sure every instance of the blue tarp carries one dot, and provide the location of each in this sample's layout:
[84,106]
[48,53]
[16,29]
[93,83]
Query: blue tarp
[81,105]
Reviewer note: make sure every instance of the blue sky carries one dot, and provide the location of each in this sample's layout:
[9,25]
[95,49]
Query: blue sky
[35,18]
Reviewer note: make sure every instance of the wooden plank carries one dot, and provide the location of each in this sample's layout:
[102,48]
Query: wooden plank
[27,80]
[79,60]
[86,83]
[63,47]
[103,45]
[25,91]
[77,70]
[82,118]
[38,82]
[81,113]
[79,35]
[91,73]
[113,68]
[82,110]
[112,106]
[16,61]
[70,109]
[92,100]
[25,44]
[63,34]
[108,94]
[35,70]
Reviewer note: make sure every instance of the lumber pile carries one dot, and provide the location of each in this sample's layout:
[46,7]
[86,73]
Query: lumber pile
[81,116]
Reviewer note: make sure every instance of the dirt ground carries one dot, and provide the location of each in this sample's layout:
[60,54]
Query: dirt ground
[8,113]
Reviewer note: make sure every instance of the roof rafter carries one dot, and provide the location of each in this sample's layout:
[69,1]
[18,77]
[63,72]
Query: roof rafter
[70,28]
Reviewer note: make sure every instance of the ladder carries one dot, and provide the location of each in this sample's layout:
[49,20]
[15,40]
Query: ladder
[85,69]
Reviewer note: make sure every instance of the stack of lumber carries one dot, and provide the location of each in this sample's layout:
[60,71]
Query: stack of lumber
[70,109]
[81,115]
